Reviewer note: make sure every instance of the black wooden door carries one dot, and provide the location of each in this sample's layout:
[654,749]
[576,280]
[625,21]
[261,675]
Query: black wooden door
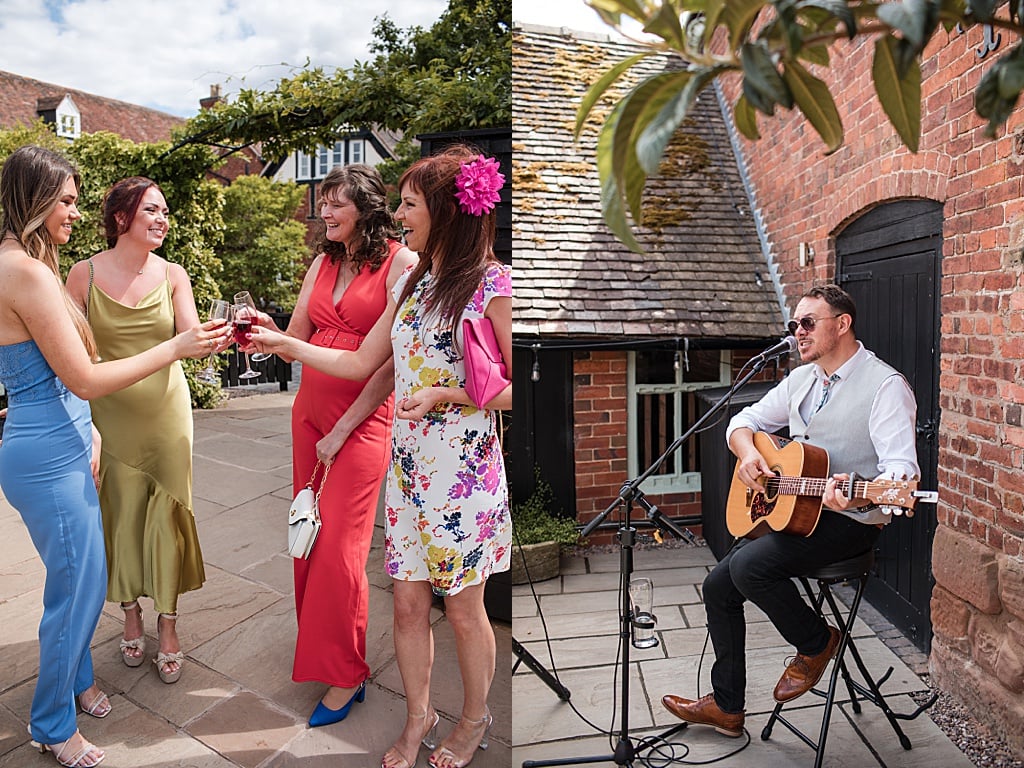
[889,260]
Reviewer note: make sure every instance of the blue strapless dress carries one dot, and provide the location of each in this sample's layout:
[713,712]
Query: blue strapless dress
[45,475]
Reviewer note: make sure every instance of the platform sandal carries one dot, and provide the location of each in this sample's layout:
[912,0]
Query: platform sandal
[86,756]
[136,643]
[163,660]
[445,756]
[429,741]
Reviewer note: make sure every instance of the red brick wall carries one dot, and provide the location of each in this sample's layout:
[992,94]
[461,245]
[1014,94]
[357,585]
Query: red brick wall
[805,196]
[599,411]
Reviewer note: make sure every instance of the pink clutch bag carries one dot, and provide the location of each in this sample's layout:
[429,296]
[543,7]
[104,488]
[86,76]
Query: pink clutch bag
[486,374]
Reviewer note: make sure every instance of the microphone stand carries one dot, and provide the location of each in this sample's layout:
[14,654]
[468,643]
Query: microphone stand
[625,751]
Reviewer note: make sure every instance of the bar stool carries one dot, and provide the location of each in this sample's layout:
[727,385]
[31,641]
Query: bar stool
[854,569]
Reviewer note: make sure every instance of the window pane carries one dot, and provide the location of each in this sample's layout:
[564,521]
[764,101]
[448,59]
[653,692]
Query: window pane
[655,368]
[321,169]
[357,151]
[655,428]
[702,365]
[339,157]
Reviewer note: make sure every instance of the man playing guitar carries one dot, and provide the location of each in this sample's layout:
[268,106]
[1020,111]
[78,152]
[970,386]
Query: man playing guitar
[862,412]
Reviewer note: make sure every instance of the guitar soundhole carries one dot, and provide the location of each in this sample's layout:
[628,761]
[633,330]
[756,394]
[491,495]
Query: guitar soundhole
[760,507]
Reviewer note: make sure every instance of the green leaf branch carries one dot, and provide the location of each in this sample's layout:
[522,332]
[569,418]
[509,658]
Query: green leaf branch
[772,45]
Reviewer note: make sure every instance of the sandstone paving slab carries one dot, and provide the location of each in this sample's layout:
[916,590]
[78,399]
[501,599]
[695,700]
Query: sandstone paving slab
[18,578]
[255,454]
[265,519]
[551,586]
[12,730]
[246,728]
[204,509]
[18,552]
[523,607]
[130,737]
[930,747]
[587,652]
[19,646]
[541,716]
[665,578]
[276,573]
[569,625]
[224,601]
[229,484]
[258,656]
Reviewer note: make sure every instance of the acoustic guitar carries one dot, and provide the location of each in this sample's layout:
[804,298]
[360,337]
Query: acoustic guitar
[792,502]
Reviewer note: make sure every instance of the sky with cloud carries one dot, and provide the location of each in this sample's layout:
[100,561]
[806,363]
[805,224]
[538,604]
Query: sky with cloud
[166,55]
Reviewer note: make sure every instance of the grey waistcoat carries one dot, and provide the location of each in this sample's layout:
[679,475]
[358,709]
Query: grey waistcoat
[841,426]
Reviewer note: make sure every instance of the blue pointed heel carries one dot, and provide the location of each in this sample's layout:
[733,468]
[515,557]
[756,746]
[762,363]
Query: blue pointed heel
[326,716]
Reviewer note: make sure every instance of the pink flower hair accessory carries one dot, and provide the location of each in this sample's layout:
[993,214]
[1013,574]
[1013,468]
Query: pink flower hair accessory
[479,185]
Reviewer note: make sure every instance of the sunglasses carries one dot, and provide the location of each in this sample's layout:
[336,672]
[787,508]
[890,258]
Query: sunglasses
[807,323]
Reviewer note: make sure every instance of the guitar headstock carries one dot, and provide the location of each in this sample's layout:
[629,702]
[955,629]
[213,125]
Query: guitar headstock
[898,494]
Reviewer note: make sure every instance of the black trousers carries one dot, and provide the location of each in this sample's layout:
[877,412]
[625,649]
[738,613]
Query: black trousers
[761,570]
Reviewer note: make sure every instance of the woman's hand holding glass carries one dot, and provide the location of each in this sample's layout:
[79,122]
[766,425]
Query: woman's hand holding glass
[219,310]
[268,340]
[258,318]
[200,341]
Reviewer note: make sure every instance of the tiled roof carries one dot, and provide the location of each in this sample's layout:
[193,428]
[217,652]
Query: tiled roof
[703,273]
[20,99]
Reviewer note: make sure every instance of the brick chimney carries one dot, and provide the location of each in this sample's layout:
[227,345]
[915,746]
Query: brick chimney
[212,99]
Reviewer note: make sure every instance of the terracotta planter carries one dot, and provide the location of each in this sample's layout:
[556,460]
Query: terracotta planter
[542,562]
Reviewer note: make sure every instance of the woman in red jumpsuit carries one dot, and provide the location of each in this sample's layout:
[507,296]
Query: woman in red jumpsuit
[345,425]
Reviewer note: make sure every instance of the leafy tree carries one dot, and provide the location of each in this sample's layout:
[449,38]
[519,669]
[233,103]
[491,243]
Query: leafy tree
[264,248]
[195,204]
[456,75]
[770,43]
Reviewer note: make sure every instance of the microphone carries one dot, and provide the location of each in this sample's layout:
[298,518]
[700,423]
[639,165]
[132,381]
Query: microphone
[785,347]
[655,516]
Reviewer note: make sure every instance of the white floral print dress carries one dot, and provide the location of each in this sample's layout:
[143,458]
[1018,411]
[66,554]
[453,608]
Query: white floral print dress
[446,498]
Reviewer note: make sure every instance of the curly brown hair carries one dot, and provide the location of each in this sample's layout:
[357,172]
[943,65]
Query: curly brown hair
[364,187]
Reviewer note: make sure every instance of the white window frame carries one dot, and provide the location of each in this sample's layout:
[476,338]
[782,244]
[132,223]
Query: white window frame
[337,154]
[680,482]
[354,146]
[322,157]
[303,166]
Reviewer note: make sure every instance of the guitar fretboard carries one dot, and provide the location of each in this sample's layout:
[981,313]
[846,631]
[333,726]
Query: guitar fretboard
[813,486]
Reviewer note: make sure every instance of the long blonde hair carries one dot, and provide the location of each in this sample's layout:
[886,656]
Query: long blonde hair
[31,183]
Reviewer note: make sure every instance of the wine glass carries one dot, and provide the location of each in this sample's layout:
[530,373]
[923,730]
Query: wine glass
[243,297]
[242,320]
[219,310]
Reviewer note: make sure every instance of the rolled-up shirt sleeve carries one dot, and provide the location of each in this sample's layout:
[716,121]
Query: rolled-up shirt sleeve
[769,414]
[893,429]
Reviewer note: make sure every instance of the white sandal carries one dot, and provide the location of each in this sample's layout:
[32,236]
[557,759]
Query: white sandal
[136,643]
[78,759]
[98,707]
[163,659]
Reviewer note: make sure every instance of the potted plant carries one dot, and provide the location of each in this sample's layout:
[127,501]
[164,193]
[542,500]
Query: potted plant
[539,534]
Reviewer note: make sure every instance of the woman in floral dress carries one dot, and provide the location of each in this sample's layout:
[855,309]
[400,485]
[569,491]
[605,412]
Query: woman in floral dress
[448,525]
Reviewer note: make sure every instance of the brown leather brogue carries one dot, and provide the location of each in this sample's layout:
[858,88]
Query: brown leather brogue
[704,711]
[804,672]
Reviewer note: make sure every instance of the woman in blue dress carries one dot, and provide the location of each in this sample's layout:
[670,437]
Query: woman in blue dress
[49,453]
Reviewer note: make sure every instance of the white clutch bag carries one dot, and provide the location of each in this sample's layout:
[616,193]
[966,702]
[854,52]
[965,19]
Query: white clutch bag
[304,517]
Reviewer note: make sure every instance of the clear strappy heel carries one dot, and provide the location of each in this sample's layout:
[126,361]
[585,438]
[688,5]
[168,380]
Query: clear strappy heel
[445,757]
[429,741]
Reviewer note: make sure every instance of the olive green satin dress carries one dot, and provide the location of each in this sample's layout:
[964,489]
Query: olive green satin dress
[146,461]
